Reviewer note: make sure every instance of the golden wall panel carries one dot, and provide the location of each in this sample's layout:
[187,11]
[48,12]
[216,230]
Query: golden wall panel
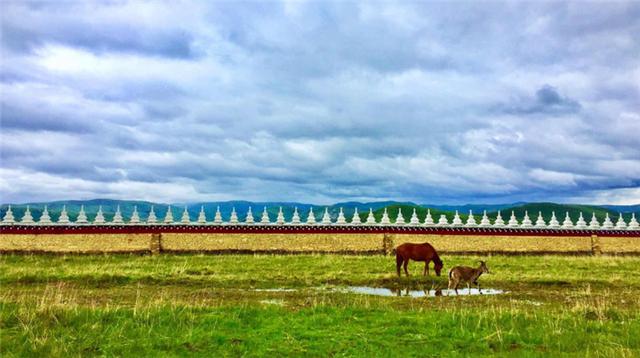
[75,242]
[308,242]
[272,242]
[515,244]
[619,244]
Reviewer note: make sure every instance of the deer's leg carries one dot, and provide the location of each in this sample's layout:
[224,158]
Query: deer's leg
[478,286]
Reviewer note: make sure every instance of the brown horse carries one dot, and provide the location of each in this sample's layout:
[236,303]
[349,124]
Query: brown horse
[417,252]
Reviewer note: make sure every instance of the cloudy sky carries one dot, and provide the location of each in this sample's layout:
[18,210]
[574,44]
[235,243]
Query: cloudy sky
[321,102]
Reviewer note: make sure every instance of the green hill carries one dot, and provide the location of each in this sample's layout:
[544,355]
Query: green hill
[519,211]
[561,209]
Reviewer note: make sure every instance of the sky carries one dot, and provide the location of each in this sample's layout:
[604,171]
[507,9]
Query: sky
[320,102]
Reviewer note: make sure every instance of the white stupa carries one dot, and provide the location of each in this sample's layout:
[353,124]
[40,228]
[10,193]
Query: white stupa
[280,217]
[168,218]
[607,224]
[326,219]
[456,220]
[135,217]
[82,216]
[385,218]
[99,219]
[265,217]
[117,217]
[414,218]
[295,219]
[620,224]
[27,218]
[443,220]
[185,217]
[8,217]
[499,222]
[633,223]
[553,222]
[581,224]
[217,217]
[152,219]
[540,223]
[202,218]
[341,219]
[249,219]
[311,218]
[45,219]
[233,218]
[400,218]
[428,220]
[526,221]
[594,224]
[64,217]
[485,220]
[513,222]
[371,220]
[567,223]
[355,220]
[471,221]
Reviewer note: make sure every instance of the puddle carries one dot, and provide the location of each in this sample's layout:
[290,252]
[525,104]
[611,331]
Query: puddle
[387,292]
[394,292]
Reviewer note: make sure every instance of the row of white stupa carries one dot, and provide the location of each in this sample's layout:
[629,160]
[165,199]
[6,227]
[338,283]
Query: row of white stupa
[540,223]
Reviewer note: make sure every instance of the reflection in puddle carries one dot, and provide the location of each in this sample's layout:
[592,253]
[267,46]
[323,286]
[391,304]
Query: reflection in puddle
[379,291]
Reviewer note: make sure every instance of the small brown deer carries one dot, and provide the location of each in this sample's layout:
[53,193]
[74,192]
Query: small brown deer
[466,274]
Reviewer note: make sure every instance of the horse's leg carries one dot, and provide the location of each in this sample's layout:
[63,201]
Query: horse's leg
[426,268]
[478,285]
[406,263]
[399,260]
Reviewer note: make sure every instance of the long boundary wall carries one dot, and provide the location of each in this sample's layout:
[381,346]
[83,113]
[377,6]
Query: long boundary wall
[156,239]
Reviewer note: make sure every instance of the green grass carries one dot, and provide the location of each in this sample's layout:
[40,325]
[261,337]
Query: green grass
[221,305]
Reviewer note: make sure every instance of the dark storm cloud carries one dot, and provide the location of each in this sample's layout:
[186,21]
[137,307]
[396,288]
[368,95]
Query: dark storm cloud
[546,101]
[320,101]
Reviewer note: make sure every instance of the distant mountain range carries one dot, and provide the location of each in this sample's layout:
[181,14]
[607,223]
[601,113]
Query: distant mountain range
[126,207]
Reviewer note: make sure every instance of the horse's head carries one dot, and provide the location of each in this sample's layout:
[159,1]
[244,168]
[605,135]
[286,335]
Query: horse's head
[437,265]
[483,267]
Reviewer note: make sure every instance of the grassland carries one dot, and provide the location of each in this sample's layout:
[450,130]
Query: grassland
[227,306]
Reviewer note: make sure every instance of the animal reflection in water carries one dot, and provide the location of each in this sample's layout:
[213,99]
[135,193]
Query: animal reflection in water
[409,293]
